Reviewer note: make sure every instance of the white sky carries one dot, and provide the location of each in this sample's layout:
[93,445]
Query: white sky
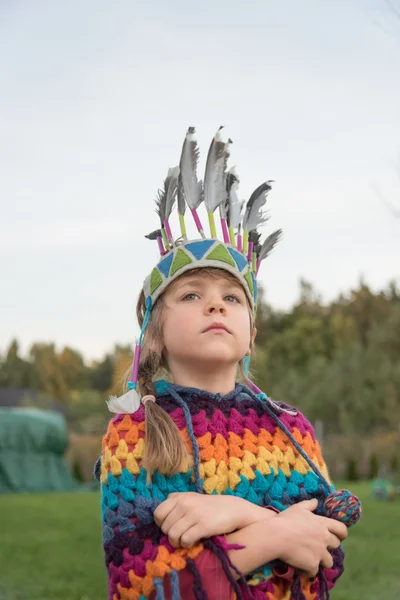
[95,100]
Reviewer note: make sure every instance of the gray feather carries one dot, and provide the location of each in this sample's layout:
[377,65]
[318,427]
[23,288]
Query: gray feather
[254,236]
[160,206]
[235,206]
[254,214]
[224,209]
[181,197]
[215,176]
[270,243]
[173,176]
[192,188]
[257,249]
[166,198]
[153,235]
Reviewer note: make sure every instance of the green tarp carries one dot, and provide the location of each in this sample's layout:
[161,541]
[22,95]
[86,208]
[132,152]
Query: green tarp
[32,447]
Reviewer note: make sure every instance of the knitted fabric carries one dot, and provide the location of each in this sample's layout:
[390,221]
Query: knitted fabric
[235,448]
[343,506]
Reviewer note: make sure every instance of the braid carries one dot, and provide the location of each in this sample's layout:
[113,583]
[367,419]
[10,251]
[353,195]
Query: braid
[148,367]
[165,449]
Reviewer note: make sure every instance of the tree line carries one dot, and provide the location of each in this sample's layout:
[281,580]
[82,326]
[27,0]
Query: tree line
[339,362]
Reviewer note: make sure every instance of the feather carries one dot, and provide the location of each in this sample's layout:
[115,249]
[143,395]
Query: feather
[192,188]
[153,235]
[254,247]
[181,197]
[181,207]
[215,176]
[269,244]
[166,198]
[171,189]
[128,403]
[224,215]
[254,215]
[157,235]
[235,206]
[224,209]
[231,179]
[254,236]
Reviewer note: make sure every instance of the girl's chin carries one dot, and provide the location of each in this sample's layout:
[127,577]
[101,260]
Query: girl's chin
[217,356]
[219,351]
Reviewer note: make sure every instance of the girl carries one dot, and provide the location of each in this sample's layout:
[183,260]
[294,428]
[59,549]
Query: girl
[210,488]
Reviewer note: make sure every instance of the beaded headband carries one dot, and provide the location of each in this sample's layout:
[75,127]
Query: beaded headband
[240,251]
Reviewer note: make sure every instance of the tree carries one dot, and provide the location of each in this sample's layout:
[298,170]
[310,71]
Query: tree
[74,371]
[122,363]
[48,372]
[338,363]
[373,467]
[101,374]
[14,371]
[87,411]
[352,471]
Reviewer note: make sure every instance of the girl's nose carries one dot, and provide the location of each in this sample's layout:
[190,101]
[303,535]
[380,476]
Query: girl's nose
[216,306]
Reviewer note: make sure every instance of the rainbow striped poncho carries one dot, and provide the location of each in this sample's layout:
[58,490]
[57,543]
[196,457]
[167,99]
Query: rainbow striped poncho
[240,444]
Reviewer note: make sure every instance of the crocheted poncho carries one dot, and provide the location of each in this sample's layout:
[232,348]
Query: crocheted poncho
[237,445]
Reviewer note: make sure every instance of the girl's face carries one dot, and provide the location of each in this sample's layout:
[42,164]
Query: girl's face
[206,320]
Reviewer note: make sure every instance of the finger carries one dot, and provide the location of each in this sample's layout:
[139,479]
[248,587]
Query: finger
[176,514]
[308,504]
[164,509]
[177,531]
[327,560]
[191,537]
[313,572]
[334,542]
[337,528]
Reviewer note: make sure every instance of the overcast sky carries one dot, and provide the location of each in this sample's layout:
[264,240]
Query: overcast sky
[95,100]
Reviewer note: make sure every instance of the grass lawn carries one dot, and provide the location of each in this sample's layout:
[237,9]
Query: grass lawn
[372,567]
[50,549]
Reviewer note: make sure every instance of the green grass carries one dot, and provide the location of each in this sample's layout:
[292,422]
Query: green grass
[50,549]
[372,566]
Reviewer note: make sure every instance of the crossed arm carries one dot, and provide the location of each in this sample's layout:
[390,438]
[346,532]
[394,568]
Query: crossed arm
[296,536]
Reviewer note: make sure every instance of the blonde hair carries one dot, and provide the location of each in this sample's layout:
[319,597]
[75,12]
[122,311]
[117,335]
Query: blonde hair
[165,449]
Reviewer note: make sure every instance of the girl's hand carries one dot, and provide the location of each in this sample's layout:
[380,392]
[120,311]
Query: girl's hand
[187,517]
[303,539]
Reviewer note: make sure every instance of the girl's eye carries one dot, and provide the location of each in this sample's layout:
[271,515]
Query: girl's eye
[191,296]
[232,298]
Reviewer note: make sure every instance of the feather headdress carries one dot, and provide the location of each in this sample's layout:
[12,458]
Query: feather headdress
[240,226]
[241,250]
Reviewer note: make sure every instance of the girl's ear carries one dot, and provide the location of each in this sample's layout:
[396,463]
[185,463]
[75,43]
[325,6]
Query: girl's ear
[155,346]
[252,339]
